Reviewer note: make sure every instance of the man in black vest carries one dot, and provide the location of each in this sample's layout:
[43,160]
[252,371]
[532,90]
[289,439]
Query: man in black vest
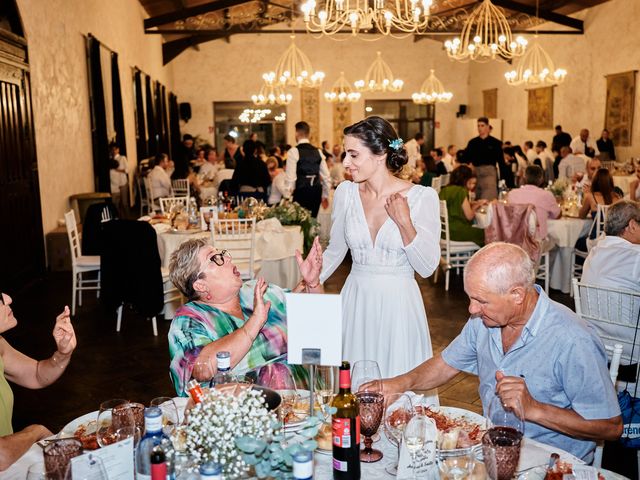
[307,175]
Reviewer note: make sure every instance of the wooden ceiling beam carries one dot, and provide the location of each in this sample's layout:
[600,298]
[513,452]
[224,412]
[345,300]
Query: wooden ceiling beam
[239,31]
[189,12]
[544,14]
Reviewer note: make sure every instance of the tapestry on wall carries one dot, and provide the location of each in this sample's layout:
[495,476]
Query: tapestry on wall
[540,113]
[490,103]
[341,119]
[618,117]
[310,111]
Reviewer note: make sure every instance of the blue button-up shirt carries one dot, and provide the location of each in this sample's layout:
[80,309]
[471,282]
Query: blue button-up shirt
[561,358]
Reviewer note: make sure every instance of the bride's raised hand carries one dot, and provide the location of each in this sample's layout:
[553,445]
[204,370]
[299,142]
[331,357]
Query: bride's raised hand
[311,267]
[397,208]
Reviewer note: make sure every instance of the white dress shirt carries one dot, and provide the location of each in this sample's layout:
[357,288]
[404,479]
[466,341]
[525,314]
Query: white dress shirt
[577,145]
[277,188]
[570,165]
[208,170]
[413,153]
[448,162]
[291,176]
[160,182]
[531,155]
[118,179]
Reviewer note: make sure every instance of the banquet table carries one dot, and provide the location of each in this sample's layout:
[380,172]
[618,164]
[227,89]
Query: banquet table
[564,231]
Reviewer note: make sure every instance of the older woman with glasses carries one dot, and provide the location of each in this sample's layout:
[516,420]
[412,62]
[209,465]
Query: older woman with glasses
[223,313]
[22,370]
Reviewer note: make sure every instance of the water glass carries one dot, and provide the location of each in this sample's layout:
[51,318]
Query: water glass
[456,464]
[170,418]
[57,458]
[105,433]
[501,452]
[398,411]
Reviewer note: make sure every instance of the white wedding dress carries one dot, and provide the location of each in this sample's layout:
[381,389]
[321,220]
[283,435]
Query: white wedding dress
[383,312]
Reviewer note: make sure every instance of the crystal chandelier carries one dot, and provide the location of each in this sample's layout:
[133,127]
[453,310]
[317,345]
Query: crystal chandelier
[535,68]
[341,92]
[249,115]
[271,93]
[379,78]
[431,91]
[294,69]
[485,35]
[334,16]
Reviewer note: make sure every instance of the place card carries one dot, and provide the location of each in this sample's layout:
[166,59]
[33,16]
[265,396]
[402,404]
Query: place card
[584,472]
[117,460]
[426,467]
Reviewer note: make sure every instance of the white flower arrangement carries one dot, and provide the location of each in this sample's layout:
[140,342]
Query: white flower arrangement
[216,423]
[559,186]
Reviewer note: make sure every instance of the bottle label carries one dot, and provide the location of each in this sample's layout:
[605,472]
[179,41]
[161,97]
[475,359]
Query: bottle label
[345,379]
[341,430]
[153,423]
[340,465]
[159,471]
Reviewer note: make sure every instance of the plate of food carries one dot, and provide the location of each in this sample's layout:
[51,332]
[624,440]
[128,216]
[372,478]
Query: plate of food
[325,439]
[84,429]
[560,469]
[457,428]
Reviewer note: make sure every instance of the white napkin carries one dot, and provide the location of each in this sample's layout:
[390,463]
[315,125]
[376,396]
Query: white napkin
[269,225]
[426,467]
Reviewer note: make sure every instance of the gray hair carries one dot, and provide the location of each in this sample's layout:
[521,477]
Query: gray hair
[184,267]
[619,215]
[503,266]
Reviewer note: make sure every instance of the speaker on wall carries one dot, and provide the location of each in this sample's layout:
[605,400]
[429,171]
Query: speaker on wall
[185,111]
[462,111]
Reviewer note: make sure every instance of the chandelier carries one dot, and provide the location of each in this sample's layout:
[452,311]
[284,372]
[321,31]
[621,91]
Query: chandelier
[485,35]
[341,92]
[379,78]
[249,115]
[334,16]
[431,91]
[294,69]
[535,68]
[271,93]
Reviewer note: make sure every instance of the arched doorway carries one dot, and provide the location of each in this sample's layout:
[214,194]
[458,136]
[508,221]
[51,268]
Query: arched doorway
[22,253]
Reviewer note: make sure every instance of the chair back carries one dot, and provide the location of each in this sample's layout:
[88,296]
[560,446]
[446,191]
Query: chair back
[444,179]
[436,183]
[238,236]
[445,238]
[149,192]
[74,236]
[596,232]
[180,187]
[512,223]
[167,203]
[614,314]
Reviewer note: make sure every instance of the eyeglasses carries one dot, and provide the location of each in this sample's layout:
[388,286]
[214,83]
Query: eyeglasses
[218,258]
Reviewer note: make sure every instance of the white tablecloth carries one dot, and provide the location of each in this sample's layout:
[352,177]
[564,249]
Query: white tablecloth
[564,231]
[623,181]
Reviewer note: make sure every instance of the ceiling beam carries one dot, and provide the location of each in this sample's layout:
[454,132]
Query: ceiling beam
[190,12]
[544,14]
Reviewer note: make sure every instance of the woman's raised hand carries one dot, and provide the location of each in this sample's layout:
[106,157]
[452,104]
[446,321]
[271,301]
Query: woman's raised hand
[397,208]
[311,267]
[63,333]
[260,307]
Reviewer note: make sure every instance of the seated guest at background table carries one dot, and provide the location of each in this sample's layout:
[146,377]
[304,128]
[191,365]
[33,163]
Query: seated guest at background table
[593,165]
[570,164]
[462,211]
[606,147]
[441,168]
[211,165]
[429,171]
[159,178]
[546,161]
[462,159]
[582,143]
[543,200]
[248,320]
[251,177]
[530,350]
[277,153]
[449,157]
[277,188]
[601,192]
[22,370]
[634,186]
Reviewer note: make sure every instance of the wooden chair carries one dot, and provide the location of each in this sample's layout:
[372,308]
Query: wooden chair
[80,264]
[452,254]
[238,236]
[167,203]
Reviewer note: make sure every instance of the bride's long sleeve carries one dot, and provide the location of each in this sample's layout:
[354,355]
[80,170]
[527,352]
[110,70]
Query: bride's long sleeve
[424,251]
[337,248]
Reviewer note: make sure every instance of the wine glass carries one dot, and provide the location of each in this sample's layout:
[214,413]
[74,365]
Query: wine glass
[398,411]
[104,431]
[415,436]
[501,415]
[456,464]
[502,441]
[169,413]
[371,408]
[325,384]
[129,432]
[364,371]
[277,376]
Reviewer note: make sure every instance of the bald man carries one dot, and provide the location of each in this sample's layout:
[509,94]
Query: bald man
[583,144]
[529,350]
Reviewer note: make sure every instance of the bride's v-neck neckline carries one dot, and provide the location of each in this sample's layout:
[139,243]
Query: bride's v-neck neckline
[374,240]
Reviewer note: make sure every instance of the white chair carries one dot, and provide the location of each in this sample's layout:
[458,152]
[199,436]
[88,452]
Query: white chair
[167,203]
[150,200]
[597,226]
[180,187]
[238,237]
[171,294]
[452,254]
[614,314]
[436,183]
[80,264]
[444,179]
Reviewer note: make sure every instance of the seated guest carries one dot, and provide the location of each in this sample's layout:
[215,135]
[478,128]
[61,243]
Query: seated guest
[529,350]
[22,370]
[159,178]
[461,211]
[277,153]
[249,320]
[570,164]
[441,168]
[546,161]
[543,200]
[449,157]
[278,179]
[461,159]
[211,165]
[602,192]
[429,171]
[251,177]
[593,165]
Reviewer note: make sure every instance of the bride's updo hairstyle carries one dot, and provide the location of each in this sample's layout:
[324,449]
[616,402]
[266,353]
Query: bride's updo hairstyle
[381,138]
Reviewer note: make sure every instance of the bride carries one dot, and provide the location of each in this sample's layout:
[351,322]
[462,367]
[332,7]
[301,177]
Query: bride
[392,228]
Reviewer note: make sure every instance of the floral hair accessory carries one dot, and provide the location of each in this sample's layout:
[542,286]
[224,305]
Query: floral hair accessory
[396,144]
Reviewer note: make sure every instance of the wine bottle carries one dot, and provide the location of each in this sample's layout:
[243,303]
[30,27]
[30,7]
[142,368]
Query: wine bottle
[346,430]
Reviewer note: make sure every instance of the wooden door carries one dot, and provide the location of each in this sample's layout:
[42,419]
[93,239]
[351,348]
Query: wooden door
[22,243]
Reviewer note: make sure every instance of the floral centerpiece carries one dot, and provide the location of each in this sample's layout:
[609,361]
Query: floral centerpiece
[559,186]
[292,213]
[240,433]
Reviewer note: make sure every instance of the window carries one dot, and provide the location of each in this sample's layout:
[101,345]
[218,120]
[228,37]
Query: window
[406,117]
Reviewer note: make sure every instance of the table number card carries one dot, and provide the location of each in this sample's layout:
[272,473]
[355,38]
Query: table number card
[117,460]
[426,467]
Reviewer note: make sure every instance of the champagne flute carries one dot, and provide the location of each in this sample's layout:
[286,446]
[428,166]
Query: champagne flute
[415,436]
[104,430]
[371,409]
[169,413]
[325,386]
[398,411]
